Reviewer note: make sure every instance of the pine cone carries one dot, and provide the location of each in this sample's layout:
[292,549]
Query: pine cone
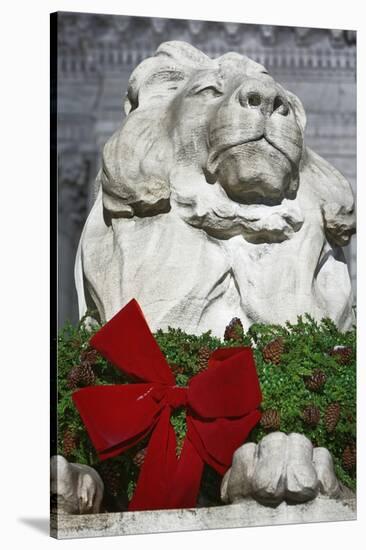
[331,417]
[87,376]
[343,354]
[311,415]
[70,442]
[203,357]
[80,375]
[234,330]
[111,473]
[349,456]
[270,419]
[89,356]
[316,381]
[176,369]
[73,377]
[139,457]
[272,352]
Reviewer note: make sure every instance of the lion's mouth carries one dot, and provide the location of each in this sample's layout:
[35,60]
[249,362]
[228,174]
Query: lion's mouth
[213,160]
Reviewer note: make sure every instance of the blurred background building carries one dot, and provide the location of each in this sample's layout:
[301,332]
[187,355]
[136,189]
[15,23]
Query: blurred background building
[96,54]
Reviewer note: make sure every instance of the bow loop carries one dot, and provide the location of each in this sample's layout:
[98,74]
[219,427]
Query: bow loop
[229,387]
[126,341]
[117,417]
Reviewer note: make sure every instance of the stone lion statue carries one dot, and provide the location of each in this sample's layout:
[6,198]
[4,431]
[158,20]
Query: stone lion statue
[75,488]
[209,206]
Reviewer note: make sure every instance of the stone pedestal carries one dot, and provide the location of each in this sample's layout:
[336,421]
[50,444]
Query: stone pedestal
[244,514]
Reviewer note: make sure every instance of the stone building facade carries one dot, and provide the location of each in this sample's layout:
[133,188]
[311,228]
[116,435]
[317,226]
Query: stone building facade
[96,54]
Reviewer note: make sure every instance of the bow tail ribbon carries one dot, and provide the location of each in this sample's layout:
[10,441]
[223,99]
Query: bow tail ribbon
[166,481]
[117,418]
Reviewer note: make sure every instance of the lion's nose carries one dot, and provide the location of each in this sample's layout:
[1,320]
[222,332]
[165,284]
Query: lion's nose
[266,98]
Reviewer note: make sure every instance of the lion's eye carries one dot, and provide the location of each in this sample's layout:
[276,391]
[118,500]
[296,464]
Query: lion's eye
[208,91]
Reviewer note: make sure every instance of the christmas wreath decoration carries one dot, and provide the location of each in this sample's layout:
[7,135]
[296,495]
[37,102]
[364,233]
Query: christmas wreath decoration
[290,380]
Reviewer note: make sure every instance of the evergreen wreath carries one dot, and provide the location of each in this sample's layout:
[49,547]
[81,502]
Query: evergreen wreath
[300,365]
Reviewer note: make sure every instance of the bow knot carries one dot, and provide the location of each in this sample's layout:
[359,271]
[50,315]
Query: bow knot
[176,397]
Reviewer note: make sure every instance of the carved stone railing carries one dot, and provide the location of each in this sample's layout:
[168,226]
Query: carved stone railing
[90,41]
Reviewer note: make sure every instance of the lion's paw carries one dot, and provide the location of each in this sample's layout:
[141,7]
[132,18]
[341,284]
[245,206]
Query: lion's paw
[280,467]
[78,488]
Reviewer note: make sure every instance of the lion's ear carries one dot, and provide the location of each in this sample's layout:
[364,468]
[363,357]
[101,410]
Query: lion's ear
[335,197]
[127,105]
[299,110]
[134,171]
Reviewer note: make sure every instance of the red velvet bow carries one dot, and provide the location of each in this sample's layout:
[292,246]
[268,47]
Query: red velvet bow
[221,407]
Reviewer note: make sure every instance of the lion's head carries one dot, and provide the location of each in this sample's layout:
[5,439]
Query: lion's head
[222,143]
